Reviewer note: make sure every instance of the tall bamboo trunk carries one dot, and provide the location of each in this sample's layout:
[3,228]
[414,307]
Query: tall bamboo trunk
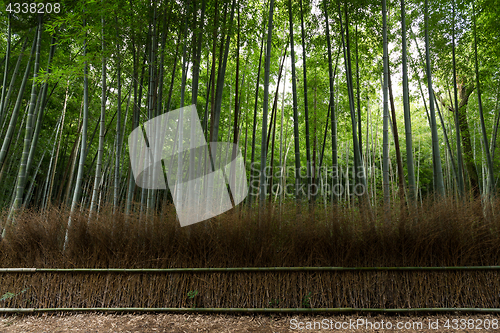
[15,112]
[385,150]
[79,178]
[407,116]
[197,57]
[490,179]
[135,123]
[6,69]
[359,174]
[282,174]
[295,112]
[236,104]
[65,104]
[254,126]
[358,96]
[21,178]
[41,110]
[265,107]
[395,133]
[100,150]
[117,171]
[436,158]
[306,106]
[445,134]
[152,94]
[457,126]
[331,109]
[184,54]
[496,124]
[11,85]
[220,79]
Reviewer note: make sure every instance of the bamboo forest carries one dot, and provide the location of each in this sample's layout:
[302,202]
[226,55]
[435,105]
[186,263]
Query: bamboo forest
[365,133]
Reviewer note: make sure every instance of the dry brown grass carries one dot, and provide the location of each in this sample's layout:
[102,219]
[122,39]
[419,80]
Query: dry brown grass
[182,323]
[439,234]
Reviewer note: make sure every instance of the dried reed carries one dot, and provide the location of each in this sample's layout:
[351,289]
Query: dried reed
[442,233]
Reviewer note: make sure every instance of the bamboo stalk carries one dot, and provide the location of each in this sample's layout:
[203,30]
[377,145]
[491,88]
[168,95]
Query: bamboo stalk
[251,310]
[242,269]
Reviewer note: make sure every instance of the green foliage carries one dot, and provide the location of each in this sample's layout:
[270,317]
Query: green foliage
[306,301]
[9,295]
[192,294]
[128,34]
[274,302]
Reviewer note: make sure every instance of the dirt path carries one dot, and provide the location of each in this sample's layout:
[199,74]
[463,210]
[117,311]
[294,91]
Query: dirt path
[177,323]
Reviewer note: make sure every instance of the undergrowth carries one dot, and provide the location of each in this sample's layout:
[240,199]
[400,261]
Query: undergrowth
[444,233]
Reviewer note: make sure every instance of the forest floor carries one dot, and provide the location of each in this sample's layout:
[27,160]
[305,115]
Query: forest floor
[176,323]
